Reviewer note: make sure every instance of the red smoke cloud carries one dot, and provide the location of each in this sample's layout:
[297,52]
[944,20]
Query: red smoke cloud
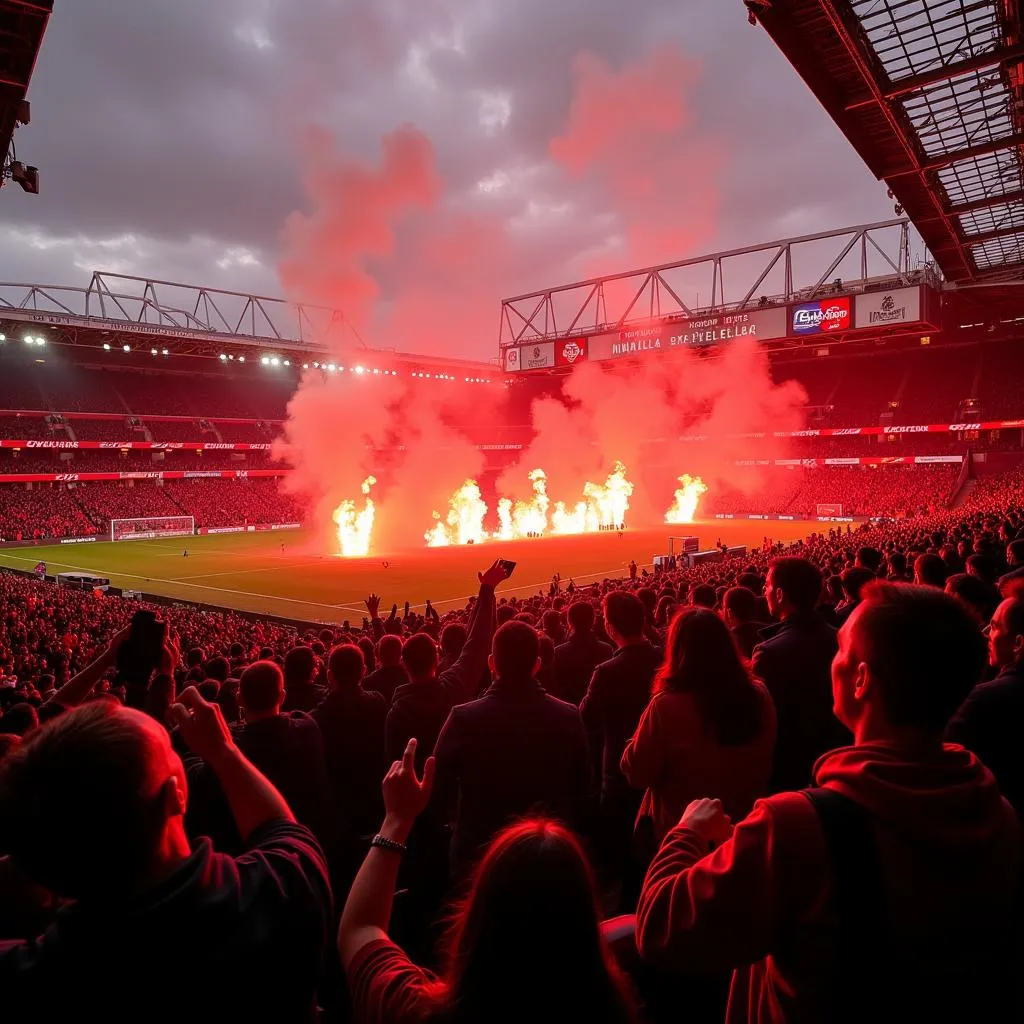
[627,133]
[356,212]
[635,414]
[417,269]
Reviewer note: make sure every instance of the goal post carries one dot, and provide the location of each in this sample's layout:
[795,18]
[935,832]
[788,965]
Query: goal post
[152,528]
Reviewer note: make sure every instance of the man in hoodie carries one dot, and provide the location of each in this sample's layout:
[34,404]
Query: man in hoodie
[989,721]
[889,893]
[793,661]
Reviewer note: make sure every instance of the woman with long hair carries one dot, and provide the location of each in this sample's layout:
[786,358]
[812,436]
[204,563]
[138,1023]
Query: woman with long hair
[708,731]
[524,945]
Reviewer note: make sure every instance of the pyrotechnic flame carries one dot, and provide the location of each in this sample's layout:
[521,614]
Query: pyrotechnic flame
[525,518]
[604,506]
[464,523]
[687,496]
[355,526]
[611,501]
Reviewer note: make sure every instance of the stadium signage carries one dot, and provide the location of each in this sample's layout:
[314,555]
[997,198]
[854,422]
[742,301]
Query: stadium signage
[568,353]
[511,357]
[880,309]
[654,339]
[77,540]
[921,429]
[823,316]
[145,446]
[537,357]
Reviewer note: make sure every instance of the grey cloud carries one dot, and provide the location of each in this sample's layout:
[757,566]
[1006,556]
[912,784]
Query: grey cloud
[159,121]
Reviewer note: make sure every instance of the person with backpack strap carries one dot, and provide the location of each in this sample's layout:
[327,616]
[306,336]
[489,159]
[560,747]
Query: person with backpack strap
[891,890]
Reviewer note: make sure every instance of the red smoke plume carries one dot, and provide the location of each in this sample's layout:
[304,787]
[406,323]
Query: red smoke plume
[418,270]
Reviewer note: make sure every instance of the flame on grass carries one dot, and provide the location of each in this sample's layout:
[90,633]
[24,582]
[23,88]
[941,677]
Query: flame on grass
[687,498]
[355,525]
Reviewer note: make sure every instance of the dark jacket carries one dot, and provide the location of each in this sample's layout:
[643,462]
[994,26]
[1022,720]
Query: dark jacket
[253,929]
[289,750]
[574,664]
[386,680]
[747,636]
[616,697]
[352,722]
[515,751]
[302,696]
[989,725]
[794,660]
[420,709]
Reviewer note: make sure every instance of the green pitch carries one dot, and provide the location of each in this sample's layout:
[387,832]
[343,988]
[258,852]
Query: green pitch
[253,573]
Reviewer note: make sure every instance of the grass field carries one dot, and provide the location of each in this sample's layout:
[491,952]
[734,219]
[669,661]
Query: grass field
[252,573]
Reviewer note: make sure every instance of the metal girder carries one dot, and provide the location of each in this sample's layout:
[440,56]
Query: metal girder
[697,285]
[124,304]
[855,51]
[989,236]
[913,83]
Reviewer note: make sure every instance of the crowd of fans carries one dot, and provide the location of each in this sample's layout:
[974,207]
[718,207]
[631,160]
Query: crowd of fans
[85,509]
[594,802]
[234,502]
[897,491]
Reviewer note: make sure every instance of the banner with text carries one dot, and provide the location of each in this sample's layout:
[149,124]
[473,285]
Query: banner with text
[886,309]
[655,339]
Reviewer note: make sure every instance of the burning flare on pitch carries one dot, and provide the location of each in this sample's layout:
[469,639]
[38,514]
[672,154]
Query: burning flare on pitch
[687,498]
[525,518]
[355,526]
[464,523]
[604,506]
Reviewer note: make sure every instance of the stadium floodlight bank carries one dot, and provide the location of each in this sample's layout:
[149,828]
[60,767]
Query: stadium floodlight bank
[152,528]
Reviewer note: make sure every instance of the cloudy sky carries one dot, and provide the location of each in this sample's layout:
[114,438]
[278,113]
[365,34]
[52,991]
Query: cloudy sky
[414,160]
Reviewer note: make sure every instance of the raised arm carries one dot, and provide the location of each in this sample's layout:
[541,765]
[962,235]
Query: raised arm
[368,907]
[79,686]
[252,797]
[469,667]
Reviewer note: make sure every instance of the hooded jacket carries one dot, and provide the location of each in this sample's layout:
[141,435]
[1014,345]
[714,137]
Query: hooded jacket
[762,904]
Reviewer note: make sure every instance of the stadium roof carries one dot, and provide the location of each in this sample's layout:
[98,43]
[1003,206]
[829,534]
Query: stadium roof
[22,24]
[931,95]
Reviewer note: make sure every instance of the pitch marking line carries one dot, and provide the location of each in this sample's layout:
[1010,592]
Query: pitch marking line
[242,572]
[191,586]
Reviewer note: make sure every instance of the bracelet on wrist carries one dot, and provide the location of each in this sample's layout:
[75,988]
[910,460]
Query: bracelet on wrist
[392,845]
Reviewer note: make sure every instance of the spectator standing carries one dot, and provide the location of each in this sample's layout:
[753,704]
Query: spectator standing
[351,720]
[740,608]
[421,706]
[301,691]
[286,747]
[526,944]
[709,728]
[837,903]
[92,807]
[576,659]
[391,674]
[794,662]
[616,698]
[513,752]
[989,721]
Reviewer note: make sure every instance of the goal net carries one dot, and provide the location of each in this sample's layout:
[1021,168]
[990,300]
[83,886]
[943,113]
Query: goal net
[152,528]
